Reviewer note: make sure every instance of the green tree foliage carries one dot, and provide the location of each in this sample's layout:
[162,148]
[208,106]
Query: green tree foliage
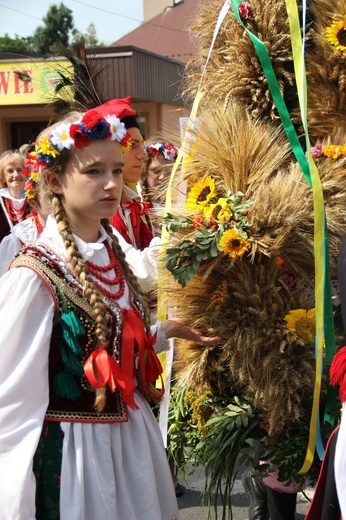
[58,30]
[16,45]
[89,37]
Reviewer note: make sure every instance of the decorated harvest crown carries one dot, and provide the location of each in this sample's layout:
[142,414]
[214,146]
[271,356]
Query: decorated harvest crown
[168,151]
[102,122]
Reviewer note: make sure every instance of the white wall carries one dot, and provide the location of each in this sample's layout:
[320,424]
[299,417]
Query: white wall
[152,8]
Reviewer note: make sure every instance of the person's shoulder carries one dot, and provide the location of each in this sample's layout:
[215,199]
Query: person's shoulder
[25,231]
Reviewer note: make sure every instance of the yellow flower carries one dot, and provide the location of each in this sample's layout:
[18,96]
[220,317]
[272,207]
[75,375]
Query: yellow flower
[301,323]
[220,211]
[220,295]
[30,194]
[34,176]
[44,147]
[334,151]
[233,244]
[201,193]
[336,34]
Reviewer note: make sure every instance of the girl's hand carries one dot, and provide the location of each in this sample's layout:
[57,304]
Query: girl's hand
[174,328]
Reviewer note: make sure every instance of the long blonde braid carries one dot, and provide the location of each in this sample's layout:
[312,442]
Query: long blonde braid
[90,291]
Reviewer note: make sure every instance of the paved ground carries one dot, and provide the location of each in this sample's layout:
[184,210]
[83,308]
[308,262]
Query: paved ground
[190,507]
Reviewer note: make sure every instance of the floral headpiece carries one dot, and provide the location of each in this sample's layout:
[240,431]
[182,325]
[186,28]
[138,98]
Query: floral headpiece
[30,187]
[168,151]
[97,123]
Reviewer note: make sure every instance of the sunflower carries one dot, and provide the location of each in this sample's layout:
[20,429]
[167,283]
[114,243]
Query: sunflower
[336,34]
[233,244]
[220,211]
[301,323]
[201,193]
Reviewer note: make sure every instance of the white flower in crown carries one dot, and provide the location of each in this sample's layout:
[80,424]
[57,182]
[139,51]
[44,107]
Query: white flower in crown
[117,128]
[60,137]
[157,146]
[169,154]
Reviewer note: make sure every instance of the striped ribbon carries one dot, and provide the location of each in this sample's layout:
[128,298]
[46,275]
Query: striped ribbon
[322,271]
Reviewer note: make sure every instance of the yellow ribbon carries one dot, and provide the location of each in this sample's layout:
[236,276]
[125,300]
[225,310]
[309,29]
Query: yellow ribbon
[319,228]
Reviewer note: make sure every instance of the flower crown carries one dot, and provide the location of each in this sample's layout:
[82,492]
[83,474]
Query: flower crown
[93,125]
[168,151]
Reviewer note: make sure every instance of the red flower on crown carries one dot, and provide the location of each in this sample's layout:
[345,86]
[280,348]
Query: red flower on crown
[79,137]
[91,118]
[153,151]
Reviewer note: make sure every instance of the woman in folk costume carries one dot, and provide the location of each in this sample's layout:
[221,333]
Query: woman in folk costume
[29,229]
[78,438]
[14,207]
[131,223]
[243,251]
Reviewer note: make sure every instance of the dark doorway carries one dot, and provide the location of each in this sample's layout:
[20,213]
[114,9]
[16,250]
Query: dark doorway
[25,132]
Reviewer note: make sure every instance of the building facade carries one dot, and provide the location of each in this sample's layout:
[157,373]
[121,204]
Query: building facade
[153,81]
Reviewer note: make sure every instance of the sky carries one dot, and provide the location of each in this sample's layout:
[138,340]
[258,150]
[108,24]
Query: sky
[112,18]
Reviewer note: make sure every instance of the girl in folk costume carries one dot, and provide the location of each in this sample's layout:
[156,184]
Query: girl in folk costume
[154,177]
[29,229]
[78,438]
[13,207]
[132,218]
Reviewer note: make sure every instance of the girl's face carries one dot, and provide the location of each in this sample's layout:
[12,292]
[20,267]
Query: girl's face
[90,186]
[159,171]
[13,175]
[134,158]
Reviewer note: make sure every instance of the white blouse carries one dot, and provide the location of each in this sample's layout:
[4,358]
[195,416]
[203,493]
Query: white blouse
[21,233]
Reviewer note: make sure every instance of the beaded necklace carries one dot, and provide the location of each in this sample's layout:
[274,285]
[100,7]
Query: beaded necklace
[16,215]
[97,270]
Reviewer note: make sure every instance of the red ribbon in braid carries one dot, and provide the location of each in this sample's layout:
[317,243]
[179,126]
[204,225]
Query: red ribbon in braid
[100,368]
